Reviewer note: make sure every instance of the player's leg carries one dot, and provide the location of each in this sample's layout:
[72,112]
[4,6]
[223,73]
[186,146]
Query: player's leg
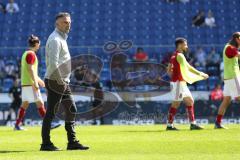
[21,114]
[10,111]
[176,93]
[189,103]
[230,90]
[41,108]
[221,111]
[42,112]
[171,114]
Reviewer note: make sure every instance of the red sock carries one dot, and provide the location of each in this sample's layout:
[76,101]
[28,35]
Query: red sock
[21,114]
[190,112]
[42,111]
[219,119]
[171,113]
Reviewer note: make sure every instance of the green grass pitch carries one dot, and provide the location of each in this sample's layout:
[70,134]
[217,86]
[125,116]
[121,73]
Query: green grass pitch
[125,143]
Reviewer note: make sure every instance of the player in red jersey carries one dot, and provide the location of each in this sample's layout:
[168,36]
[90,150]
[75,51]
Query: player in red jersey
[231,89]
[181,73]
[30,82]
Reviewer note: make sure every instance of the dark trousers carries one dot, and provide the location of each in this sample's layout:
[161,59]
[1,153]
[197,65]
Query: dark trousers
[59,101]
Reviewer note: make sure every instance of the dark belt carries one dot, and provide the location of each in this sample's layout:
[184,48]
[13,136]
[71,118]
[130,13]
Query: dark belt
[26,85]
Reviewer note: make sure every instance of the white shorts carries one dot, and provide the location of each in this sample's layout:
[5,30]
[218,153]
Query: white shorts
[29,95]
[232,87]
[179,90]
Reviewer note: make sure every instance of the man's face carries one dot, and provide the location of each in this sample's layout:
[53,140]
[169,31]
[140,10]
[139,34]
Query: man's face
[184,47]
[38,45]
[64,24]
[238,42]
[218,87]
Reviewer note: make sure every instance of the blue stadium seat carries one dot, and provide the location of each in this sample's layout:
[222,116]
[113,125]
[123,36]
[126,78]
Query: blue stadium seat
[212,81]
[7,83]
[213,71]
[149,22]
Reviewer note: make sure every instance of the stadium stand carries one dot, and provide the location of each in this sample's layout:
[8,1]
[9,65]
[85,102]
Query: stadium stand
[145,22]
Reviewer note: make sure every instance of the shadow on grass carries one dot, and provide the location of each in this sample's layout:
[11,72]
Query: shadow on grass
[2,152]
[145,131]
[163,130]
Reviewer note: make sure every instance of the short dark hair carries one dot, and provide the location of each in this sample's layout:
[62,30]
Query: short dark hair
[179,40]
[32,40]
[139,49]
[62,14]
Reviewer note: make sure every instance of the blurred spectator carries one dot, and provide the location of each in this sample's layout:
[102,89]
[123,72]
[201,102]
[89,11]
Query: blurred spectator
[154,74]
[213,58]
[210,20]
[190,57]
[18,66]
[12,7]
[217,93]
[172,1]
[98,98]
[201,57]
[199,19]
[221,70]
[140,55]
[166,58]
[2,8]
[15,94]
[10,71]
[184,1]
[109,84]
[2,69]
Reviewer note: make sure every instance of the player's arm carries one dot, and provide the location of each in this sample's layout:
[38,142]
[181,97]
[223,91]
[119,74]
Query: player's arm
[169,69]
[232,52]
[182,60]
[33,76]
[41,82]
[194,70]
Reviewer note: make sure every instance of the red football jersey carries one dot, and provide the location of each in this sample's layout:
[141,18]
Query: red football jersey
[176,71]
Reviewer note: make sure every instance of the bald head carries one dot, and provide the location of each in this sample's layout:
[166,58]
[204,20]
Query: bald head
[63,22]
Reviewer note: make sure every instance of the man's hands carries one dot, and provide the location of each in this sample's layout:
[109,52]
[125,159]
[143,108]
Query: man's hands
[169,69]
[38,83]
[204,75]
[41,83]
[35,86]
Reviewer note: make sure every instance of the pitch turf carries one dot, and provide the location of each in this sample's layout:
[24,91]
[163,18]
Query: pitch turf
[125,143]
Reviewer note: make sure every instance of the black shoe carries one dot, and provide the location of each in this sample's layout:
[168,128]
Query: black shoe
[49,147]
[171,128]
[76,146]
[219,126]
[195,127]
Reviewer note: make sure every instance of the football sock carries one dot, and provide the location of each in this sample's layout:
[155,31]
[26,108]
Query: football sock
[21,114]
[171,113]
[42,111]
[219,119]
[190,112]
